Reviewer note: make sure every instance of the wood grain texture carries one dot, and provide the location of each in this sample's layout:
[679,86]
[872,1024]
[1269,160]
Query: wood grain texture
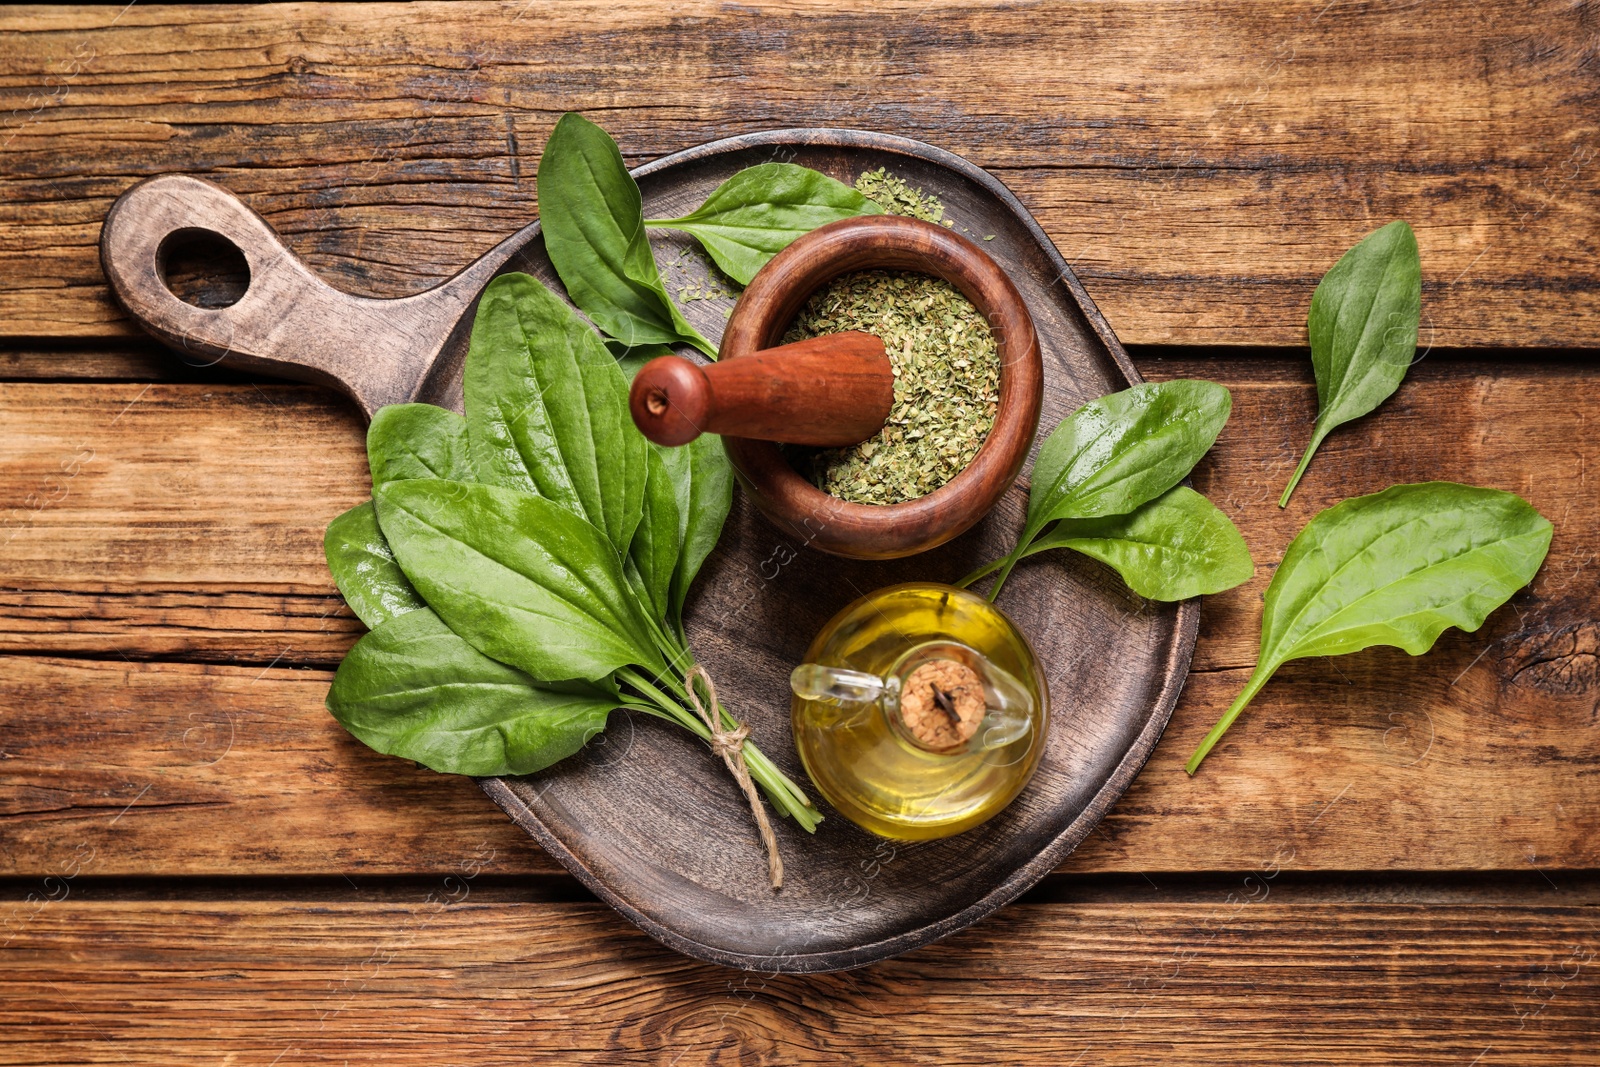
[128,768]
[1199,167]
[1481,755]
[225,488]
[1371,765]
[287,321]
[1218,981]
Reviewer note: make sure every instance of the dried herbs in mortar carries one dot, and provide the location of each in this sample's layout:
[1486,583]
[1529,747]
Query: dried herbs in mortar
[946,368]
[946,383]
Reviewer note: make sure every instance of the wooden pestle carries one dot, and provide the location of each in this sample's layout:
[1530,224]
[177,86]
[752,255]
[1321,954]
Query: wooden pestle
[829,391]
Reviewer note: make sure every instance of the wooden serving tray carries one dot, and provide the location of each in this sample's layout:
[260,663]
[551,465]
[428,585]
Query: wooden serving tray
[646,817]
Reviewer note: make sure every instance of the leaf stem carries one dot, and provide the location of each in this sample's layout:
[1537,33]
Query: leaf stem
[1305,461]
[682,631]
[784,794]
[987,568]
[669,643]
[1257,679]
[679,714]
[1005,571]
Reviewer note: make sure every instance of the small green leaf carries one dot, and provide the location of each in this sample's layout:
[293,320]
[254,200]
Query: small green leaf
[413,688]
[1394,568]
[1177,546]
[417,441]
[523,579]
[1363,330]
[365,570]
[1115,453]
[761,210]
[547,408]
[593,222]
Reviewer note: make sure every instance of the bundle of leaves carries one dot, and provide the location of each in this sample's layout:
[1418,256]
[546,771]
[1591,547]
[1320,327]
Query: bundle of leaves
[524,569]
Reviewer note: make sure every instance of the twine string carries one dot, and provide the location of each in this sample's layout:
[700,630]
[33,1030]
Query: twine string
[729,744]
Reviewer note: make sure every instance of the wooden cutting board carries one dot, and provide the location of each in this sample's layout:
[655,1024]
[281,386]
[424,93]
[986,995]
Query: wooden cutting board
[646,817]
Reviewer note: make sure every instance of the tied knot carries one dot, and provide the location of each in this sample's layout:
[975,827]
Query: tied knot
[729,744]
[725,741]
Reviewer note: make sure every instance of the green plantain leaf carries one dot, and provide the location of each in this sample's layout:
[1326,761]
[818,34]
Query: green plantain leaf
[365,570]
[703,479]
[523,579]
[547,408]
[1177,546]
[1115,453]
[1394,568]
[761,210]
[1363,329]
[593,222]
[654,552]
[417,441]
[413,688]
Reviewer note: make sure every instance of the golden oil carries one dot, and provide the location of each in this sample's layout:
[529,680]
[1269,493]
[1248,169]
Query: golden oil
[895,767]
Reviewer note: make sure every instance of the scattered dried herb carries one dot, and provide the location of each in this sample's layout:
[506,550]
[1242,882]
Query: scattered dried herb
[946,383]
[896,197]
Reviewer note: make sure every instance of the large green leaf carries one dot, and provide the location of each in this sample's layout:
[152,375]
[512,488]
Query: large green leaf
[523,579]
[1177,546]
[1114,454]
[654,552]
[365,570]
[1394,568]
[593,222]
[547,408]
[417,441]
[1363,330]
[703,480]
[761,210]
[413,688]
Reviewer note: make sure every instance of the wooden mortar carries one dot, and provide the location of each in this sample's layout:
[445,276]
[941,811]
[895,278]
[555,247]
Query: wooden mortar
[770,303]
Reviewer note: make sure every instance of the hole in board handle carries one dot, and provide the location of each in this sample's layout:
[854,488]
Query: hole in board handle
[203,268]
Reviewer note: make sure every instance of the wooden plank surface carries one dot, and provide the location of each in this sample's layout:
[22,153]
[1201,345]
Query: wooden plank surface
[1222,981]
[1199,166]
[193,533]
[197,864]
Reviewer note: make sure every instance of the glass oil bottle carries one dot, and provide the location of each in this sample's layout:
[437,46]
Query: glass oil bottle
[920,711]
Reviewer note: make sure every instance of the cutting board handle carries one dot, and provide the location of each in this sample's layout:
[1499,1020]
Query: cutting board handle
[289,323]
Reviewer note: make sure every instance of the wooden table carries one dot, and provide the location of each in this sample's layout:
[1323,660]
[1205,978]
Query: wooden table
[1389,860]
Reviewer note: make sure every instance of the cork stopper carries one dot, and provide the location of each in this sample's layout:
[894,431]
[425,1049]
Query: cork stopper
[942,704]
